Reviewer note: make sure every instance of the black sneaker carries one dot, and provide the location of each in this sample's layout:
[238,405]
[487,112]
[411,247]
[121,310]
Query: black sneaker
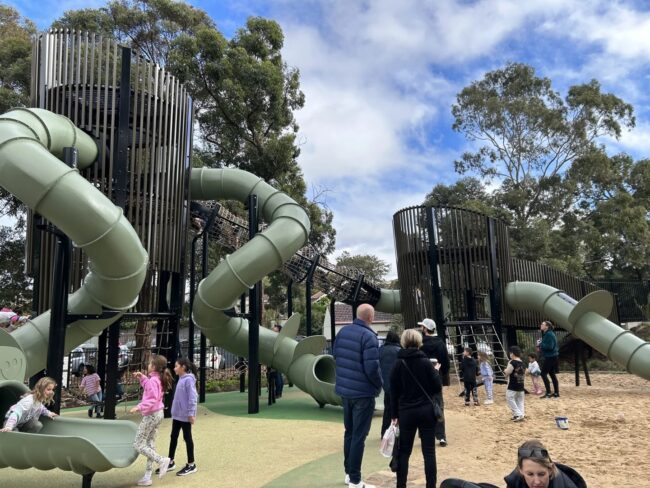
[548,395]
[171,467]
[188,469]
[556,395]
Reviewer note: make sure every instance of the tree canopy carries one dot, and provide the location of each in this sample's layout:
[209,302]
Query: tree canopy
[15,77]
[244,93]
[568,202]
[373,268]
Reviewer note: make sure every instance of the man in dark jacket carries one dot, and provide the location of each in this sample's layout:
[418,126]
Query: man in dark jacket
[387,359]
[358,382]
[436,348]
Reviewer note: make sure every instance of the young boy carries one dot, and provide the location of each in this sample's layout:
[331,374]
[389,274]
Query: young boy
[468,370]
[515,373]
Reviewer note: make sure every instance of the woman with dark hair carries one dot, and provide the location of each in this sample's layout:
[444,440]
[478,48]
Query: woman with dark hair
[550,351]
[387,358]
[414,383]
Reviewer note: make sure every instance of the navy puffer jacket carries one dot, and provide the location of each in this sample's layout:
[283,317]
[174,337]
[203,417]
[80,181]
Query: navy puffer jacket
[356,352]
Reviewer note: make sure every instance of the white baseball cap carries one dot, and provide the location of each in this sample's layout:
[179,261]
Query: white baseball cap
[428,324]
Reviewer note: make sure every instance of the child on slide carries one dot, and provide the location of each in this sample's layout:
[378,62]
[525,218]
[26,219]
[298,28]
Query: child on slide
[24,415]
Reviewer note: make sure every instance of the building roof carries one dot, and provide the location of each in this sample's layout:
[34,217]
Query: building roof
[343,313]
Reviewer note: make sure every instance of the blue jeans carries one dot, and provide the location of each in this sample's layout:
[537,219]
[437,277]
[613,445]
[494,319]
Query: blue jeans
[279,384]
[357,415]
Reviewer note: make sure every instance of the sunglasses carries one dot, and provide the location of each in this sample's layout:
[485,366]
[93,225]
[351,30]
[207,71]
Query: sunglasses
[532,453]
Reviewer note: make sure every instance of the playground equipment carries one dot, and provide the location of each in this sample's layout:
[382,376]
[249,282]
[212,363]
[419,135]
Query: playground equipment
[453,264]
[30,141]
[586,320]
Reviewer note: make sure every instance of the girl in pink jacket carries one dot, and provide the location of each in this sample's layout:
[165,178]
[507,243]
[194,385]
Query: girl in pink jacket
[158,381]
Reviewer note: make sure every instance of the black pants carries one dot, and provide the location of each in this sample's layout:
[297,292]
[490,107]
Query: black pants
[440,426]
[470,387]
[411,420]
[549,368]
[177,425]
[385,422]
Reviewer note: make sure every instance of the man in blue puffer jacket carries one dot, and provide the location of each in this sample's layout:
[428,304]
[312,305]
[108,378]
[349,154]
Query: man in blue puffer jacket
[358,382]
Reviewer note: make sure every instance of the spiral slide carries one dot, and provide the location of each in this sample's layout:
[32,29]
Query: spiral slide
[31,140]
[585,320]
[302,362]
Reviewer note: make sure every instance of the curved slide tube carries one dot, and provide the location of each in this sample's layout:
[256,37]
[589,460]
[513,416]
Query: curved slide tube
[30,142]
[389,301]
[302,362]
[585,320]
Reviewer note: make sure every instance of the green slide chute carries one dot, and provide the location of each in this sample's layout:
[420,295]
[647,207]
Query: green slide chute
[31,141]
[288,230]
[585,320]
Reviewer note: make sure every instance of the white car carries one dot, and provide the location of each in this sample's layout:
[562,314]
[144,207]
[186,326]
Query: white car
[86,353]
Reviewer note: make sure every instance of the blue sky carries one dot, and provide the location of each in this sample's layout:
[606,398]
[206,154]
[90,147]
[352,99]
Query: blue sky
[380,77]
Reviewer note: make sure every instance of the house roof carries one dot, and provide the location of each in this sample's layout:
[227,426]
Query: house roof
[343,313]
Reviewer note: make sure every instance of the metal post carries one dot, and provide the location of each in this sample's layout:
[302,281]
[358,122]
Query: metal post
[101,357]
[110,392]
[204,272]
[60,288]
[254,321]
[290,298]
[495,279]
[240,359]
[120,172]
[308,291]
[436,290]
[332,322]
[190,342]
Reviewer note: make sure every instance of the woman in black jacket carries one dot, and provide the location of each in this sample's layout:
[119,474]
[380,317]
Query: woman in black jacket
[387,359]
[413,383]
[536,470]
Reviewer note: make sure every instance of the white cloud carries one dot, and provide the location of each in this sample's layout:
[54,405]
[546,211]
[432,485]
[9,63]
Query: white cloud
[374,97]
[635,142]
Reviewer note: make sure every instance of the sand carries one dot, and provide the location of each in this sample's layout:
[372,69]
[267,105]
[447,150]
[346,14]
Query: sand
[608,439]
[608,443]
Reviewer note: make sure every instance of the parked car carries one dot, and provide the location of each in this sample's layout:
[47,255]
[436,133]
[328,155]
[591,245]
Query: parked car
[86,353]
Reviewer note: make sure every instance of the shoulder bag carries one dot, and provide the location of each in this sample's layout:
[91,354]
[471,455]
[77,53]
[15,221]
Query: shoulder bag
[437,411]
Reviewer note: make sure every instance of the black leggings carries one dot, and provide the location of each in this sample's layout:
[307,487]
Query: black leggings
[177,425]
[549,368]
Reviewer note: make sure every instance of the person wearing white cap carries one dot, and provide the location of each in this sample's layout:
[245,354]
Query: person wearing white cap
[435,348]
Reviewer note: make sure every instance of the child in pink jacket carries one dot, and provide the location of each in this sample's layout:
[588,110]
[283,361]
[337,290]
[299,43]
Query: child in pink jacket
[151,408]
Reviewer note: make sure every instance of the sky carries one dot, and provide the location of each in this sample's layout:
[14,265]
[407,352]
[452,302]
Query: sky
[380,78]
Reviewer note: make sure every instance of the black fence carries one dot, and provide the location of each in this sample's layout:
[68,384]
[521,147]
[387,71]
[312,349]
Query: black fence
[632,298]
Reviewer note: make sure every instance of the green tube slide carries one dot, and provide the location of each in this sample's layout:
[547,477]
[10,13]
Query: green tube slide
[288,230]
[389,301]
[585,320]
[31,141]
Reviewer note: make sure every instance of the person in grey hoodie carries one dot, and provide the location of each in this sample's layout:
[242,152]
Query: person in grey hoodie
[184,414]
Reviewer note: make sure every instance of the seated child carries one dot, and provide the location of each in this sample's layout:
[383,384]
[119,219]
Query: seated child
[24,415]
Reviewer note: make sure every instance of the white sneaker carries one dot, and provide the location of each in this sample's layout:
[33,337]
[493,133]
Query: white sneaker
[164,464]
[488,402]
[347,479]
[144,482]
[361,484]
